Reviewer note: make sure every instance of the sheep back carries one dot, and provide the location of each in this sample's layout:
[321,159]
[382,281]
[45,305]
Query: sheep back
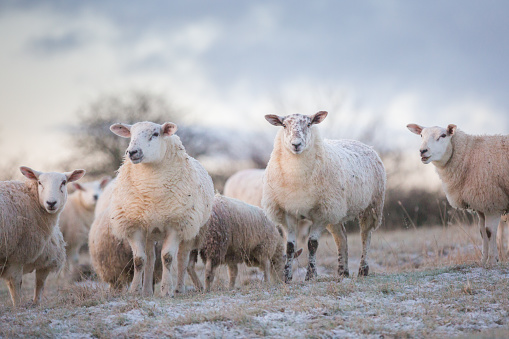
[477,174]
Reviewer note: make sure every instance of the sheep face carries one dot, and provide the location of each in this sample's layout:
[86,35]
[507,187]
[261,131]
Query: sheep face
[297,129]
[52,187]
[89,192]
[147,140]
[436,142]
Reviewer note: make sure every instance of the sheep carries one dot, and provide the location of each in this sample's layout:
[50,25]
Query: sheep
[52,259]
[503,236]
[161,194]
[327,182]
[29,212]
[76,218]
[474,170]
[247,185]
[112,258]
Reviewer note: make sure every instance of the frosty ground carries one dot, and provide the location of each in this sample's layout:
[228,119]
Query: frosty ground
[423,282]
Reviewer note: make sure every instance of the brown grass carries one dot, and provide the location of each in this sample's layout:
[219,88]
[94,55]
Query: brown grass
[423,282]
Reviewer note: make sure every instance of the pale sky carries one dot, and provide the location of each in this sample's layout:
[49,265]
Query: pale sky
[232,62]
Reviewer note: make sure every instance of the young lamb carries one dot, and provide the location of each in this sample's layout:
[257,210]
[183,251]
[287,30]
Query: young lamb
[161,194]
[327,182]
[238,233]
[474,171]
[77,217]
[29,213]
[112,258]
[247,185]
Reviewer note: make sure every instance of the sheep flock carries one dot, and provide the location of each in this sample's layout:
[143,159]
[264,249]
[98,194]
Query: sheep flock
[160,212]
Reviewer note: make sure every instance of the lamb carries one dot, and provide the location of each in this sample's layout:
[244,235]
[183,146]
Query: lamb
[327,182]
[474,171]
[29,213]
[112,258]
[238,233]
[247,185]
[77,217]
[161,194]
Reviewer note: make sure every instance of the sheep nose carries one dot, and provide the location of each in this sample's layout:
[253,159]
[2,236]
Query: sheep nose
[423,151]
[96,197]
[296,144]
[51,204]
[131,153]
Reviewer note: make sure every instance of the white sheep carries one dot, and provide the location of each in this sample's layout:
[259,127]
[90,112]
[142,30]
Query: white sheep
[76,218]
[29,212]
[327,182]
[161,194]
[474,171]
[247,185]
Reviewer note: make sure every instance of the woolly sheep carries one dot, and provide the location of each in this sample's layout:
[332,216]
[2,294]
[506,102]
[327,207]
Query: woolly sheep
[328,182]
[247,185]
[112,258]
[474,171]
[77,217]
[161,194]
[29,212]
[238,233]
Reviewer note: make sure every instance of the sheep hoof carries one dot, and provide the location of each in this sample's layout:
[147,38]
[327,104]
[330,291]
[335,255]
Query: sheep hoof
[344,273]
[311,273]
[363,271]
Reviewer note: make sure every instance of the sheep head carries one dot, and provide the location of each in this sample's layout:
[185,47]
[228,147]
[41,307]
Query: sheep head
[89,192]
[52,187]
[436,142]
[297,129]
[147,140]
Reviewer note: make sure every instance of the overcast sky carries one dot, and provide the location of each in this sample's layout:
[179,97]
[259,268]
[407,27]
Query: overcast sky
[228,62]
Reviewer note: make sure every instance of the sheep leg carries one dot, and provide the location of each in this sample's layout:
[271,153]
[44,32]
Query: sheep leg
[182,264]
[168,251]
[137,242]
[500,240]
[210,270]
[492,221]
[193,257]
[484,236]
[291,223]
[14,279]
[266,270]
[233,270]
[148,273]
[40,282]
[339,234]
[366,241]
[315,233]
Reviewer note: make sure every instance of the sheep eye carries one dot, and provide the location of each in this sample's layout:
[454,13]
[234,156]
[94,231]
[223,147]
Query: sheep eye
[309,125]
[63,183]
[284,126]
[39,183]
[443,136]
[155,134]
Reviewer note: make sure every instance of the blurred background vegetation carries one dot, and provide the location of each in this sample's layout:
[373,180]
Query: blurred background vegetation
[223,151]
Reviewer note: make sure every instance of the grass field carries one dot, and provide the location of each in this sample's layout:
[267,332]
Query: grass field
[423,283]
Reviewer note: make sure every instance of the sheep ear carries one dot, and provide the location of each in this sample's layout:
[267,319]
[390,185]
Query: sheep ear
[451,129]
[74,175]
[297,254]
[168,129]
[274,119]
[414,128]
[30,173]
[122,130]
[78,186]
[318,117]
[104,181]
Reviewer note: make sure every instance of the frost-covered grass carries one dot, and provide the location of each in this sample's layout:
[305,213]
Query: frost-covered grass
[424,282]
